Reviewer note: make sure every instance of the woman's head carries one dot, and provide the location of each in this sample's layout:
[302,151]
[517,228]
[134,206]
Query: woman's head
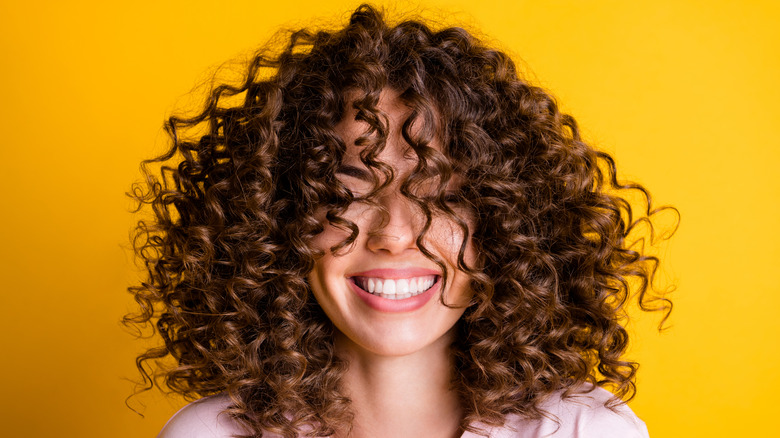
[386,152]
[386,291]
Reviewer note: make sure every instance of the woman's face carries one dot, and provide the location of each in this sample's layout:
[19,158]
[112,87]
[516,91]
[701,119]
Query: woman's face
[382,293]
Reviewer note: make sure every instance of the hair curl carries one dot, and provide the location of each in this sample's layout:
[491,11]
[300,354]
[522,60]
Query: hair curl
[229,247]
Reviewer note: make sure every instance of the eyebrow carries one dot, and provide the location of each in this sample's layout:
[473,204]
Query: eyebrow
[355,172]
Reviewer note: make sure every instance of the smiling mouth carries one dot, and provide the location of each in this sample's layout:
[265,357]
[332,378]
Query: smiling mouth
[396,289]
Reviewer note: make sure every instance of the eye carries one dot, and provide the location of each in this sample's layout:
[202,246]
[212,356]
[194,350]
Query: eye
[354,172]
[357,180]
[451,198]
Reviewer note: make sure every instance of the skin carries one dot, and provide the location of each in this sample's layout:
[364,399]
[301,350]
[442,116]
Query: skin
[399,364]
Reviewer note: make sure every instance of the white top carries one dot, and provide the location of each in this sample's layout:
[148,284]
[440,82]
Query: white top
[581,416]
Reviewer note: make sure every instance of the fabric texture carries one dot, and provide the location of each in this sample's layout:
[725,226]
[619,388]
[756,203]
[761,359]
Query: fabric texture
[580,416]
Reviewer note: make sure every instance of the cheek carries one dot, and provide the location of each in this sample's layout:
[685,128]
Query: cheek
[446,237]
[329,264]
[324,283]
[318,280]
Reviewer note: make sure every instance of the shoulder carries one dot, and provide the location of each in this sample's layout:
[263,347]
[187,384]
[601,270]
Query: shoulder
[582,415]
[586,416]
[202,418]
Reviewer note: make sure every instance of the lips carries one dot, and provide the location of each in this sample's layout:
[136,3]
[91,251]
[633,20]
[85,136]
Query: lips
[395,288]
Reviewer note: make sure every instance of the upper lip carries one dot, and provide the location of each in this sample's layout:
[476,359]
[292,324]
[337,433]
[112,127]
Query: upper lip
[394,273]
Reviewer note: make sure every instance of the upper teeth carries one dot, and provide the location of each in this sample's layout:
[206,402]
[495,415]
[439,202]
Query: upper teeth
[398,286]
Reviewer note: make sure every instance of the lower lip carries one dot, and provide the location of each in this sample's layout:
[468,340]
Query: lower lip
[396,306]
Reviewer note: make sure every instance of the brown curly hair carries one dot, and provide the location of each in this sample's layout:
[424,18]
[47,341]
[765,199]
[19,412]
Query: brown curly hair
[234,214]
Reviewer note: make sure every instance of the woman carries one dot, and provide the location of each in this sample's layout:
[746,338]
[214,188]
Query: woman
[384,232]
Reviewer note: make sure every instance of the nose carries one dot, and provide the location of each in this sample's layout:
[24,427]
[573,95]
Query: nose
[396,231]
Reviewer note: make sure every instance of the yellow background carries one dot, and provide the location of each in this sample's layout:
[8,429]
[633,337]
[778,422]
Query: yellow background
[685,93]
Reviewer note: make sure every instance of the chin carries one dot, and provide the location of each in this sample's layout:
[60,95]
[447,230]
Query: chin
[399,343]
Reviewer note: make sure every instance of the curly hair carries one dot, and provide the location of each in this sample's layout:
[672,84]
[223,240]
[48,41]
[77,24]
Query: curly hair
[235,208]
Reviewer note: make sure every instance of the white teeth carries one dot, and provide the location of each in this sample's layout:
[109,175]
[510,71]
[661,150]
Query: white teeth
[396,288]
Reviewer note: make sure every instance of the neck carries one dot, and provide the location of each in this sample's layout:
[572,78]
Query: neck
[406,395]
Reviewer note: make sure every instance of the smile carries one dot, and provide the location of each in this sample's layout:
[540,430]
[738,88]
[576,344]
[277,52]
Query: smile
[395,289]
